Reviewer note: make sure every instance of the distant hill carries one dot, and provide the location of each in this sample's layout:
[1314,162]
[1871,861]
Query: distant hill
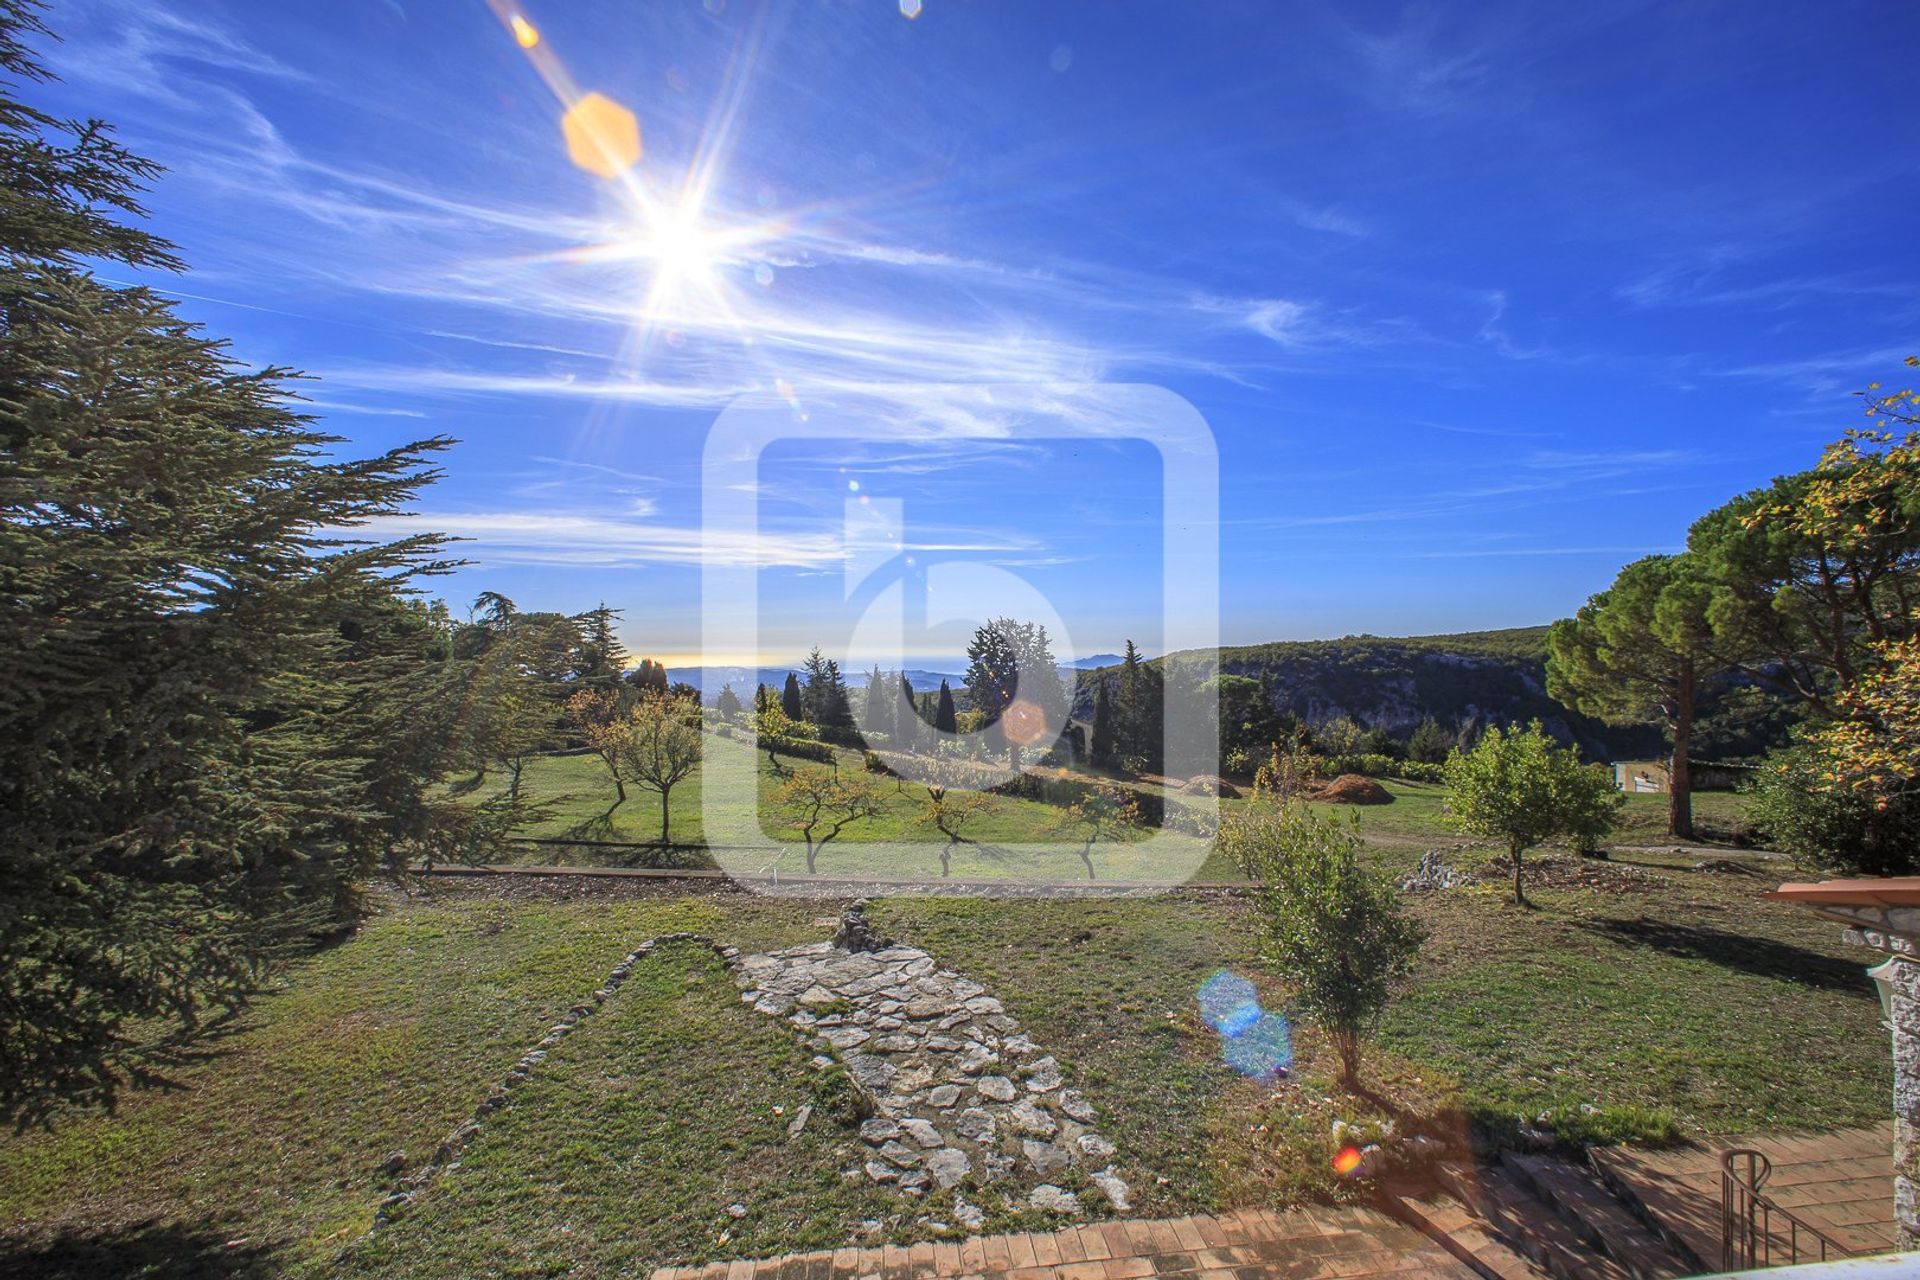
[1394,683]
[744,679]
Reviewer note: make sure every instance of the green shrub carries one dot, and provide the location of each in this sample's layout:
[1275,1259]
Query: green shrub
[1519,788]
[798,749]
[1375,765]
[1798,810]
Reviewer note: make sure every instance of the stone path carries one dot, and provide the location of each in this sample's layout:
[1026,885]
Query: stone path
[1258,1244]
[1841,1182]
[961,1095]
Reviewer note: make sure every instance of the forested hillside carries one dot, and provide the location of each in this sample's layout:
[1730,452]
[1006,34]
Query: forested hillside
[1462,682]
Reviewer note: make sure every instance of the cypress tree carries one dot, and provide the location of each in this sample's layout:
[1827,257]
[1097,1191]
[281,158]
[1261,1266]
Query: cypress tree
[790,699]
[907,722]
[943,719]
[1101,749]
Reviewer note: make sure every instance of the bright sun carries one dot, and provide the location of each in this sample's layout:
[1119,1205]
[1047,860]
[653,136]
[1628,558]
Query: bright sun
[683,252]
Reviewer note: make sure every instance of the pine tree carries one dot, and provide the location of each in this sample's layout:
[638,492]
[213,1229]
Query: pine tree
[728,703]
[216,718]
[602,660]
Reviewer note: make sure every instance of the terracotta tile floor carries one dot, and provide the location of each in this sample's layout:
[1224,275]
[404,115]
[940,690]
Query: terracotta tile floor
[1841,1182]
[1298,1244]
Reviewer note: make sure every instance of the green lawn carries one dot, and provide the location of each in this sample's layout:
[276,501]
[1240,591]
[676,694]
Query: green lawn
[1687,1005]
[1418,816]
[577,802]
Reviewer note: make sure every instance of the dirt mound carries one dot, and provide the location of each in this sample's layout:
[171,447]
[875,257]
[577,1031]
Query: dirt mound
[1207,784]
[1352,788]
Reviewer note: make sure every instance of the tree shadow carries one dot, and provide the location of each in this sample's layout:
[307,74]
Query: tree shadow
[151,1250]
[1761,957]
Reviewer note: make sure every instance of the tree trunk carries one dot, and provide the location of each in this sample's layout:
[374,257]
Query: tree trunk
[1519,893]
[1086,856]
[1346,1044]
[1679,768]
[663,815]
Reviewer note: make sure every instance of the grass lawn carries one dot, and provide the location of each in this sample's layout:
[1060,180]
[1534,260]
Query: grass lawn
[1418,816]
[578,800]
[1687,1005]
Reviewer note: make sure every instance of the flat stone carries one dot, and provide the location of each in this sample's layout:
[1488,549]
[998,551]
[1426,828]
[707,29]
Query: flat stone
[944,1096]
[1046,1159]
[878,1130]
[1114,1189]
[949,1166]
[969,1215]
[881,1171]
[912,1078]
[894,1044]
[899,1153]
[815,996]
[874,1074]
[923,1007]
[915,1180]
[922,1132]
[847,1037]
[1051,1199]
[1094,1147]
[976,1124]
[1018,1046]
[1075,1105]
[998,1088]
[1030,1119]
[887,1024]
[1043,1075]
[974,1063]
[945,1044]
[985,1004]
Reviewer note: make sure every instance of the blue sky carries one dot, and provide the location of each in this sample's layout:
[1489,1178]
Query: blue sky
[1480,300]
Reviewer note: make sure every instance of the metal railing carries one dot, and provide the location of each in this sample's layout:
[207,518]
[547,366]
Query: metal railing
[1753,1226]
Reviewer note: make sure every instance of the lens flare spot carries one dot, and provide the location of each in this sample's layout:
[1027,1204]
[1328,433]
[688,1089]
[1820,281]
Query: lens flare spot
[909,9]
[1023,722]
[1263,1050]
[1346,1160]
[1255,1043]
[525,34]
[603,137]
[1227,999]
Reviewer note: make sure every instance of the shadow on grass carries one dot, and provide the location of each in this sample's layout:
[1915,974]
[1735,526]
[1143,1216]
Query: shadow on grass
[1761,957]
[149,1250]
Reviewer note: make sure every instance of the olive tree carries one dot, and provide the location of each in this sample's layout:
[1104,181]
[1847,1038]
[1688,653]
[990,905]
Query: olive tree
[1334,926]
